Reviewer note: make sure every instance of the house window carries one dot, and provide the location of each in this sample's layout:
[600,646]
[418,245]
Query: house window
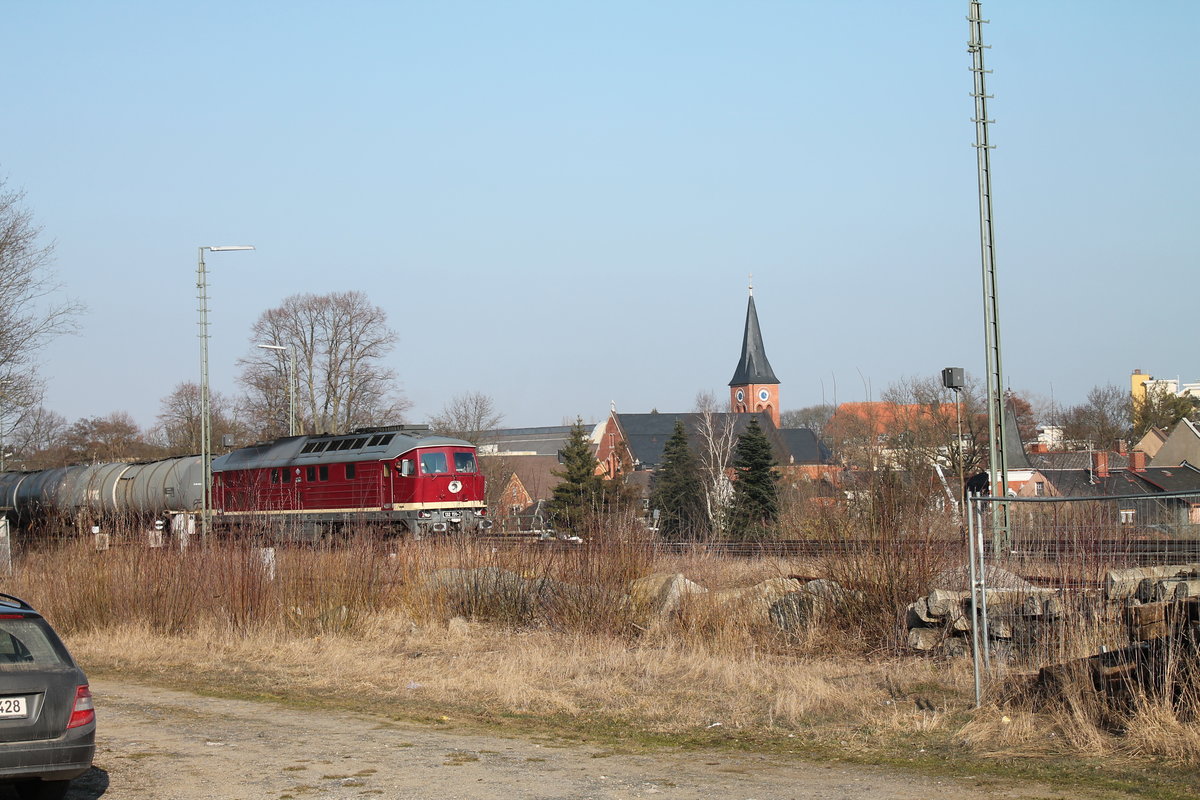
[1128,515]
[1039,489]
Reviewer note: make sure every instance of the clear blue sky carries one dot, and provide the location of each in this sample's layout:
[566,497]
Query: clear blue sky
[572,194]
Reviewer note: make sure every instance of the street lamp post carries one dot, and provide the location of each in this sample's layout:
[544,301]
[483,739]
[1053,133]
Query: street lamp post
[205,407]
[953,378]
[291,379]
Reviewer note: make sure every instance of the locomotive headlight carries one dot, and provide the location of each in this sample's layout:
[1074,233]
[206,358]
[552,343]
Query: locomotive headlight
[479,512]
[424,514]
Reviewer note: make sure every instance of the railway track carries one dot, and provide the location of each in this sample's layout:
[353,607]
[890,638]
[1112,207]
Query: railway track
[1131,551]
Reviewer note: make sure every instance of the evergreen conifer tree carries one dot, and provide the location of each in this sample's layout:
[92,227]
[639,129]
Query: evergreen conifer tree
[678,493]
[755,493]
[578,498]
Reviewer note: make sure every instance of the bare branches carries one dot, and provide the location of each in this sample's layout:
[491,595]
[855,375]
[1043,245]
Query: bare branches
[470,416]
[1100,421]
[717,442]
[178,426]
[29,319]
[339,341]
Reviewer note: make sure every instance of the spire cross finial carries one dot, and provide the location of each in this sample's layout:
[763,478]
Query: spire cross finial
[752,284]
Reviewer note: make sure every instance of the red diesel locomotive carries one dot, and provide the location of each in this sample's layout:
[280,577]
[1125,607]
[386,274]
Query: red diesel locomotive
[398,478]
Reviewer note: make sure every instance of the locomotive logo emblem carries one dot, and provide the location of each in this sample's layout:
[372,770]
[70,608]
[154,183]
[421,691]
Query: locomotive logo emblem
[454,486]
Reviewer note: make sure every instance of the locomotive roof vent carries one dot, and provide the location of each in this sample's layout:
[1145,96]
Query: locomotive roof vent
[392,429]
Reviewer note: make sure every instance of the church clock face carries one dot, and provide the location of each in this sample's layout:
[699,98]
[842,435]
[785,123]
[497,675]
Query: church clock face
[763,394]
[741,396]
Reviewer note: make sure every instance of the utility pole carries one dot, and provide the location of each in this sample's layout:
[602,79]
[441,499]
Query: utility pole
[205,400]
[998,464]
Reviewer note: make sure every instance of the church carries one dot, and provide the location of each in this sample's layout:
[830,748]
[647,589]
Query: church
[628,444]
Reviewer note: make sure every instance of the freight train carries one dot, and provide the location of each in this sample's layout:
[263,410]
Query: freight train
[398,479]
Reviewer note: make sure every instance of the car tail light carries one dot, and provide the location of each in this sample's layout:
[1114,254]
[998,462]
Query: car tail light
[83,711]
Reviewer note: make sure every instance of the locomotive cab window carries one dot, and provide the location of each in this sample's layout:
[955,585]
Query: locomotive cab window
[433,464]
[464,462]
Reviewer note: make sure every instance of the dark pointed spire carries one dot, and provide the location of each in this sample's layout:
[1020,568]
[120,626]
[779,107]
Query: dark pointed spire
[753,368]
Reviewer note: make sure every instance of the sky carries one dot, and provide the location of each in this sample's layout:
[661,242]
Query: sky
[558,204]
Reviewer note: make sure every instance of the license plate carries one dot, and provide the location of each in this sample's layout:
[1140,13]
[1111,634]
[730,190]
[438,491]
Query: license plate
[13,708]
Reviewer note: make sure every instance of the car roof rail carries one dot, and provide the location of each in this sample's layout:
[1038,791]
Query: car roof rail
[15,601]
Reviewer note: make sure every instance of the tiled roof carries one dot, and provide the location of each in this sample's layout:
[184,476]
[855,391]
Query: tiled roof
[1076,459]
[647,435]
[543,441]
[880,418]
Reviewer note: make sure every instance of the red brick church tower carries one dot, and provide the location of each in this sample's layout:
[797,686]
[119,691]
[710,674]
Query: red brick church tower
[754,386]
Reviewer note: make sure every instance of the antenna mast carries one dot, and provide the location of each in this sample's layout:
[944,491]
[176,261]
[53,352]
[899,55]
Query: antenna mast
[1001,533]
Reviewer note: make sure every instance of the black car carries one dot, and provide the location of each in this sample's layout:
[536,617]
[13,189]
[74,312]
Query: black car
[47,721]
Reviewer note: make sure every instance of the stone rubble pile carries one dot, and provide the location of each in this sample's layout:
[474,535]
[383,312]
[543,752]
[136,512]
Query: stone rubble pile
[789,603]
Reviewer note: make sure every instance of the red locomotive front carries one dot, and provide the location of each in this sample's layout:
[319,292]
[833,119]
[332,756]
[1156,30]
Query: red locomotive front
[375,476]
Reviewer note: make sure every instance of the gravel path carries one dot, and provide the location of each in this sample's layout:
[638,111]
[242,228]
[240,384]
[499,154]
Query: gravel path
[157,743]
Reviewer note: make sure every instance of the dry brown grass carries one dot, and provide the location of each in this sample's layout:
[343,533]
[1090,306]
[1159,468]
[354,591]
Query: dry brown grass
[361,625]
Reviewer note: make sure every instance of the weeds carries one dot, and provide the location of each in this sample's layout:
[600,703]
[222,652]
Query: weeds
[466,627]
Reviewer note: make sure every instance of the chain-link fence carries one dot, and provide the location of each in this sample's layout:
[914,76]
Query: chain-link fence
[1063,579]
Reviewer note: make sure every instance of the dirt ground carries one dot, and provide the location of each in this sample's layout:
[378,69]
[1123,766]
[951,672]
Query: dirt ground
[158,743]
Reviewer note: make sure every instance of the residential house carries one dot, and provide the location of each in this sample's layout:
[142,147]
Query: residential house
[1181,445]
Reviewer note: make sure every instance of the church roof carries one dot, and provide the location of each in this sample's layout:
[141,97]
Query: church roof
[753,368]
[646,436]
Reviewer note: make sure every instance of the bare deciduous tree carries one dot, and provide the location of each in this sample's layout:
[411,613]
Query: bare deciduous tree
[30,316]
[36,440]
[470,416]
[178,427]
[924,429]
[717,443]
[1102,419]
[116,437]
[815,418]
[339,341]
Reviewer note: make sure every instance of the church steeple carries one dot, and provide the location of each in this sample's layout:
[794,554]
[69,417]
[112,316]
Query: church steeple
[754,386]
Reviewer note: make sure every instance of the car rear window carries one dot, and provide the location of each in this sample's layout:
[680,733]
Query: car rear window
[23,643]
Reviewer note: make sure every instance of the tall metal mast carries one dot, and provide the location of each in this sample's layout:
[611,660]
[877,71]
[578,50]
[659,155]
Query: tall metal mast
[1001,534]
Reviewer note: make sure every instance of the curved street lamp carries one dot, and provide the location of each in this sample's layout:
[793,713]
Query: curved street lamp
[205,406]
[291,376]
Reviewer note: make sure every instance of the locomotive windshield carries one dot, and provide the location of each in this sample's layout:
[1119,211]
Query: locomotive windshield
[433,463]
[439,462]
